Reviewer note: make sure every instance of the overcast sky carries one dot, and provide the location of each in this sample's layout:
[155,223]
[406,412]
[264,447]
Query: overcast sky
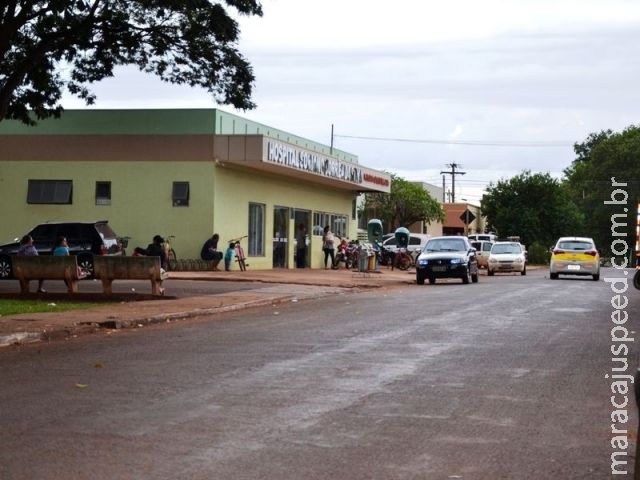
[518,81]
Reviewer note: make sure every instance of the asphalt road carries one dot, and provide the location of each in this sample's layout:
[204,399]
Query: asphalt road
[504,379]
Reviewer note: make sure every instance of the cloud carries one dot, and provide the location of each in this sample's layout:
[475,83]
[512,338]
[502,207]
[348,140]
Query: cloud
[488,72]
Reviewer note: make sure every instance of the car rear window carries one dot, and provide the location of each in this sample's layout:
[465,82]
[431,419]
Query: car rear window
[105,231]
[575,245]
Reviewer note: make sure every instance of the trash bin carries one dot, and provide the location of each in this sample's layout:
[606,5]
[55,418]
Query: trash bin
[363,260]
[372,262]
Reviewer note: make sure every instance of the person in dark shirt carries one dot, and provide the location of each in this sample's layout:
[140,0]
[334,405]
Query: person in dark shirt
[158,249]
[210,251]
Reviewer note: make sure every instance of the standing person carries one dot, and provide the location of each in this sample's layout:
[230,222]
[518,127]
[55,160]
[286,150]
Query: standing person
[28,248]
[301,246]
[158,249]
[210,251]
[228,256]
[327,246]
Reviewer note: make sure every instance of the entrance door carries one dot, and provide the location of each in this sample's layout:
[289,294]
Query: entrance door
[302,225]
[280,239]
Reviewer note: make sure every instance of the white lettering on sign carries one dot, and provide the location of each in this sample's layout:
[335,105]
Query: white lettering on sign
[289,156]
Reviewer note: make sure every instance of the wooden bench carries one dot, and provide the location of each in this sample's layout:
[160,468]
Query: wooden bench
[110,268]
[46,267]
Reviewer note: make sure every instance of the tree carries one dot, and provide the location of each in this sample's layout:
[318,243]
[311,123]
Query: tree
[601,158]
[537,208]
[47,46]
[406,203]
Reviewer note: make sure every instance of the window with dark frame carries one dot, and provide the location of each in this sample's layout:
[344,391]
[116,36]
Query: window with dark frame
[103,193]
[59,192]
[180,194]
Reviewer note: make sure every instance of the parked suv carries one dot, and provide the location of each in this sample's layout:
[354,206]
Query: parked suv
[85,240]
[483,248]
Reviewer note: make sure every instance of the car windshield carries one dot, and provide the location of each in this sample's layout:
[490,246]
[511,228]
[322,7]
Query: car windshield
[509,248]
[452,245]
[575,245]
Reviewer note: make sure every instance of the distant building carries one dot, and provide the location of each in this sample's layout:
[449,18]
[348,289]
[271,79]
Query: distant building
[462,219]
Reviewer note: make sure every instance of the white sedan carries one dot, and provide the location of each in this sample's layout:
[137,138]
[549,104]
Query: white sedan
[507,257]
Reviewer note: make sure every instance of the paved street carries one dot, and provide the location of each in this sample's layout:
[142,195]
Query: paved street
[504,379]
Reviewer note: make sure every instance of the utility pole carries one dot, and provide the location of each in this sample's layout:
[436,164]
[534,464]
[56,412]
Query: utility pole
[453,174]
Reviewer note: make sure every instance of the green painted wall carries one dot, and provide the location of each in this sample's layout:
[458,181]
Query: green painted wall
[235,189]
[141,204]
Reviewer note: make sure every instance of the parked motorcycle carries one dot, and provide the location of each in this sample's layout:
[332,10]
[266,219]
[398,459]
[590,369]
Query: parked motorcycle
[384,256]
[348,252]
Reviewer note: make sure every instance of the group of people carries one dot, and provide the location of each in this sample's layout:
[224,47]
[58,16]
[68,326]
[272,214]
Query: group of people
[210,253]
[61,248]
[157,248]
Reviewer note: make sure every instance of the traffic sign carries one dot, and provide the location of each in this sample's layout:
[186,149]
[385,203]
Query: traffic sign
[467,217]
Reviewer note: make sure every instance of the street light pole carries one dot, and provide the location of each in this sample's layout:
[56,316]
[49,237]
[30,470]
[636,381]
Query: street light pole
[466,217]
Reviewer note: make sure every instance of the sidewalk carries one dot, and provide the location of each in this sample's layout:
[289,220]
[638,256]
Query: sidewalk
[276,286]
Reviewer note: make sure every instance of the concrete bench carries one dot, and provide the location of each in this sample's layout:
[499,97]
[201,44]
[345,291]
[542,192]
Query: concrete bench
[46,267]
[110,268]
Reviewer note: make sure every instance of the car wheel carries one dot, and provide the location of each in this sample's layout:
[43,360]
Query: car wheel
[5,267]
[474,277]
[467,274]
[596,277]
[85,262]
[490,272]
[432,281]
[420,279]
[524,271]
[553,276]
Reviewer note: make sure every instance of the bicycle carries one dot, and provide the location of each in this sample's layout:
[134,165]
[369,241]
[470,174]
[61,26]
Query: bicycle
[171,253]
[239,253]
[124,243]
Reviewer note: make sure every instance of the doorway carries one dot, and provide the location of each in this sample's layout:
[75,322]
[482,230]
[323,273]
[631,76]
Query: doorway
[302,218]
[280,237]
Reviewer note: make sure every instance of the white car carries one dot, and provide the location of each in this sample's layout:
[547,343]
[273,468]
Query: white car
[417,241]
[507,257]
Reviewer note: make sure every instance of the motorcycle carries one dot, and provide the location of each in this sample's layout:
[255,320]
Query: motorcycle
[384,256]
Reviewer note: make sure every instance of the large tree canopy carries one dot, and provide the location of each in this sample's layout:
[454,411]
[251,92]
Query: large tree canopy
[534,207]
[407,203]
[47,46]
[601,158]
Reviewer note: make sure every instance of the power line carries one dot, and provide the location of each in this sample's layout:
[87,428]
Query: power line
[474,143]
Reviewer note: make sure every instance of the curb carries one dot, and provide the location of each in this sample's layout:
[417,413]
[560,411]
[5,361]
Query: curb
[66,332]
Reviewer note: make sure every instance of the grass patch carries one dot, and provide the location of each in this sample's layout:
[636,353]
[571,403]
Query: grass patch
[13,307]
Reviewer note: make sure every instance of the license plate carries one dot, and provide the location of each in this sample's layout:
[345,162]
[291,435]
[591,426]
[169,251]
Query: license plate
[573,267]
[439,268]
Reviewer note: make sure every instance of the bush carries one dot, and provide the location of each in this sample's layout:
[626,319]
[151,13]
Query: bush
[539,254]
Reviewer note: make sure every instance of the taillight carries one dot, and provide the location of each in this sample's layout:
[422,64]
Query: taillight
[593,253]
[557,251]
